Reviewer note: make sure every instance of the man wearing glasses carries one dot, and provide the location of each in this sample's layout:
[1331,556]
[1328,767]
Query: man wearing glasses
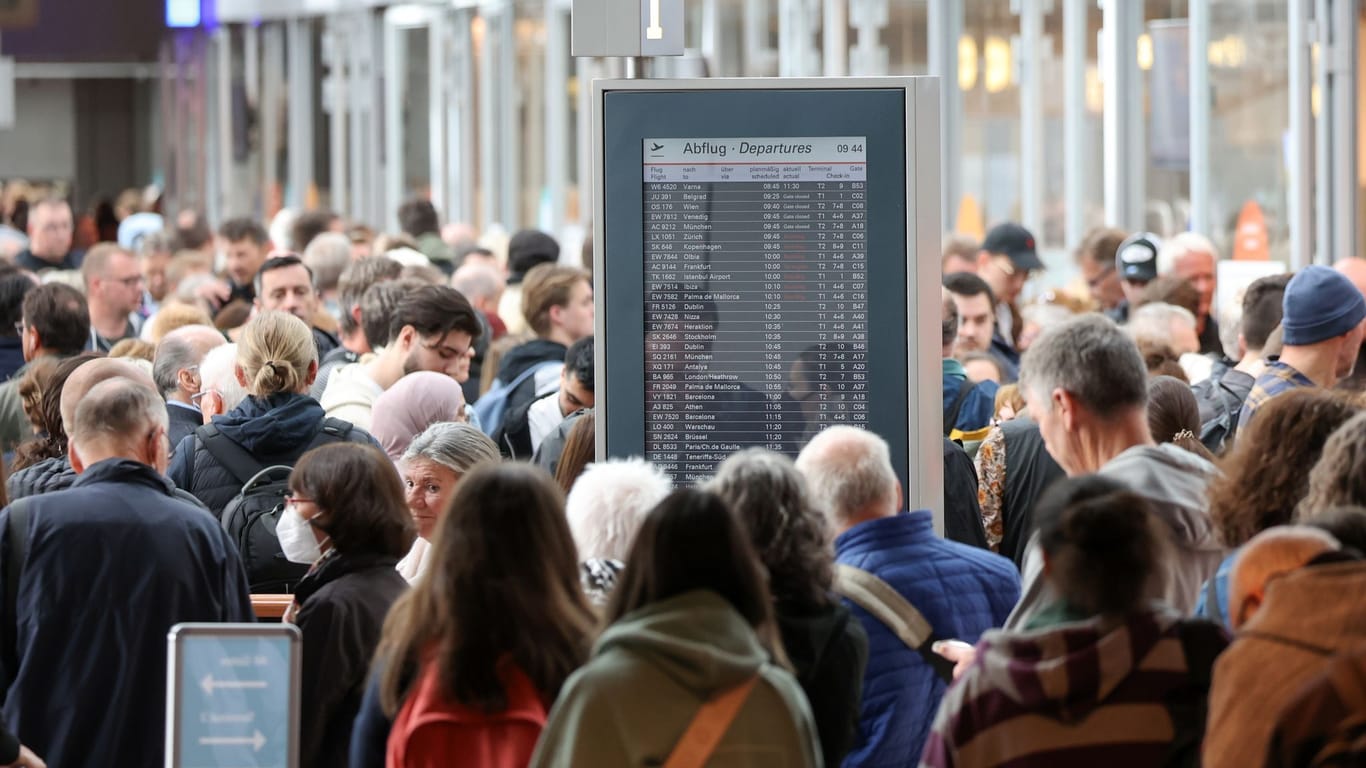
[113,290]
[432,328]
[1096,258]
[50,232]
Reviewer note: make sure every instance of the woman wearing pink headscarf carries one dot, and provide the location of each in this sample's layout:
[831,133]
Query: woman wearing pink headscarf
[412,404]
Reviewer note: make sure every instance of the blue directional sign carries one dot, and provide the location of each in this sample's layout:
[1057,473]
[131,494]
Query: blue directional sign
[233,696]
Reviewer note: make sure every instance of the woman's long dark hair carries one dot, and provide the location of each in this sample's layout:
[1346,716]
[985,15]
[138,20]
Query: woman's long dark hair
[690,541]
[503,584]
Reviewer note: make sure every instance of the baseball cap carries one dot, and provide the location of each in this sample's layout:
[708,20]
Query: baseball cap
[1136,258]
[1015,242]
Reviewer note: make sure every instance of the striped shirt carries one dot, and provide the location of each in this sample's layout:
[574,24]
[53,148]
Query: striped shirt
[1077,694]
[1277,379]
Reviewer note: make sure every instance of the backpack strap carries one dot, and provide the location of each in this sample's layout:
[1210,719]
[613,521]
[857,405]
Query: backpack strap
[951,415]
[332,431]
[232,456]
[888,606]
[17,534]
[709,726]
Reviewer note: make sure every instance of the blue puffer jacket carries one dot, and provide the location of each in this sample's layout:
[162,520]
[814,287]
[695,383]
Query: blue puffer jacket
[960,590]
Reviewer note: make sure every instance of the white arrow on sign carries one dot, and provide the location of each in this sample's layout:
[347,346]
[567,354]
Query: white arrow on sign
[654,31]
[209,684]
[255,741]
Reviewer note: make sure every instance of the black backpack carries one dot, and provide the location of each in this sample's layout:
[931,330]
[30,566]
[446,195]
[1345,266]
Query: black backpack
[250,516]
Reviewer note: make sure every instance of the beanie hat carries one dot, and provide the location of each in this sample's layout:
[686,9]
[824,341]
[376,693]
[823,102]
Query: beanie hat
[530,248]
[1319,304]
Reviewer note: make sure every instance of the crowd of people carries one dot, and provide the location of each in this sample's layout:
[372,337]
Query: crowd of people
[1153,519]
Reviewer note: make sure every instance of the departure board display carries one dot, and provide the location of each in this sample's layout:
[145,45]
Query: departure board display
[755,294]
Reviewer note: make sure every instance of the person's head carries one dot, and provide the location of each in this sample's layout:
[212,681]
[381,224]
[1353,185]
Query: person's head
[1174,415]
[119,418]
[482,284]
[692,541]
[1322,319]
[1165,324]
[503,585]
[1038,317]
[175,369]
[579,450]
[44,407]
[244,243]
[355,280]
[958,254]
[557,302]
[769,495]
[528,249]
[1160,359]
[1192,257]
[608,503]
[285,284]
[1170,289]
[309,225]
[1136,264]
[56,321]
[948,323]
[411,405]
[14,286]
[433,464]
[976,311]
[418,217]
[378,305]
[219,389]
[434,329]
[849,476]
[84,377]
[1080,379]
[276,355]
[1103,547]
[173,316]
[192,232]
[154,255]
[1268,555]
[1096,257]
[1261,312]
[51,229]
[1347,524]
[350,496]
[1007,258]
[137,350]
[327,257]
[1264,475]
[113,280]
[1339,477]
[576,377]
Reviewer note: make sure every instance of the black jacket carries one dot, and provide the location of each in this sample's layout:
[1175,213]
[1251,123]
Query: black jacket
[343,602]
[26,260]
[828,649]
[276,430]
[113,563]
[48,475]
[181,421]
[1029,471]
[962,512]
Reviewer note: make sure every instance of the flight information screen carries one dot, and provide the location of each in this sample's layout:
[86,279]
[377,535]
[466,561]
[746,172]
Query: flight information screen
[756,292]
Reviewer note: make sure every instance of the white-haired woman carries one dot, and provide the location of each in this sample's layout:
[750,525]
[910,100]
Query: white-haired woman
[431,467]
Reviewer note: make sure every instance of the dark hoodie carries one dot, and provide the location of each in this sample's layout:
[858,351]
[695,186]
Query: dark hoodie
[829,651]
[513,436]
[276,430]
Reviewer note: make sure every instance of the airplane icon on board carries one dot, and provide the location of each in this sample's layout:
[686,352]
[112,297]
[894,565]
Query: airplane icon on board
[655,147]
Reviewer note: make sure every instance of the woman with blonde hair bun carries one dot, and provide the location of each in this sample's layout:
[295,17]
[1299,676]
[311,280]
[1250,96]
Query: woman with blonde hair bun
[273,426]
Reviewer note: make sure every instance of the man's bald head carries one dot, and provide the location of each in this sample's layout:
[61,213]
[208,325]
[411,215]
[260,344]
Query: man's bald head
[119,418]
[1353,268]
[849,473]
[87,376]
[1271,553]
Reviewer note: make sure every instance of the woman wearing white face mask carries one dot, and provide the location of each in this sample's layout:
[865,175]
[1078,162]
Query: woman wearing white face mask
[345,514]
